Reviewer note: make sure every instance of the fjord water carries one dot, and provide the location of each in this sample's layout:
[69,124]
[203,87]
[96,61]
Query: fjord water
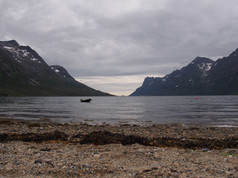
[208,110]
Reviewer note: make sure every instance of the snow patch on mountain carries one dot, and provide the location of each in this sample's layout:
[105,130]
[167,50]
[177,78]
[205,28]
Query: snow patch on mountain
[25,53]
[209,66]
[54,69]
[21,54]
[34,59]
[9,48]
[201,66]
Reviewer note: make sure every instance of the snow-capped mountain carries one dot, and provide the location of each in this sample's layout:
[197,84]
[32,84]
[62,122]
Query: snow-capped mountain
[202,76]
[24,72]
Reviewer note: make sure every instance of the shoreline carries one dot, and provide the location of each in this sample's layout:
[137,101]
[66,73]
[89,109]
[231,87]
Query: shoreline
[149,130]
[81,149]
[92,122]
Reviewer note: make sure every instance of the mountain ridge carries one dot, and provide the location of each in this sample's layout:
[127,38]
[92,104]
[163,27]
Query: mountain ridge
[23,72]
[202,76]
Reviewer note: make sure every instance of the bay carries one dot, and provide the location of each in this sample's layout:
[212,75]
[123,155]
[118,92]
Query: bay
[206,110]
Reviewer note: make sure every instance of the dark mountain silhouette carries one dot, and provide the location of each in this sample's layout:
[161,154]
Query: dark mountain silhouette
[24,73]
[202,76]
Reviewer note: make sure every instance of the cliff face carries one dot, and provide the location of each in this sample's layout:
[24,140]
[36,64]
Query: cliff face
[202,76]
[23,72]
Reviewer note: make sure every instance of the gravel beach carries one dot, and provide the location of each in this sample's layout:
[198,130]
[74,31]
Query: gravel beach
[47,149]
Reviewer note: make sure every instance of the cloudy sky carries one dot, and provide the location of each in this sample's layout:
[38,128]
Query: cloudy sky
[113,45]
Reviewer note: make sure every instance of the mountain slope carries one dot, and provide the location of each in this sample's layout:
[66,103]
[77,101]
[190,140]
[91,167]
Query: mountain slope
[201,77]
[24,73]
[223,77]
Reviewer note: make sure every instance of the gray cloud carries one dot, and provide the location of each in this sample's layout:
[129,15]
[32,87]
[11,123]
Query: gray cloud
[116,38]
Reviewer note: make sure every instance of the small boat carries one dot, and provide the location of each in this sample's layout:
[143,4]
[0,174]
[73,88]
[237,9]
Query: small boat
[86,100]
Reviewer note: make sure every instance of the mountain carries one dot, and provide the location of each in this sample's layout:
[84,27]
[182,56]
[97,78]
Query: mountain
[223,76]
[202,76]
[23,72]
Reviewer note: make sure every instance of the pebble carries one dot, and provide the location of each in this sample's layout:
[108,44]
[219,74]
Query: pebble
[110,161]
[59,159]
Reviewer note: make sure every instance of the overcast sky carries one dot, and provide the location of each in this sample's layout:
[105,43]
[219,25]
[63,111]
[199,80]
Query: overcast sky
[113,45]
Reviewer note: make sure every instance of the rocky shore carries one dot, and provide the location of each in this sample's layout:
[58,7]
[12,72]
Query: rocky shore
[47,149]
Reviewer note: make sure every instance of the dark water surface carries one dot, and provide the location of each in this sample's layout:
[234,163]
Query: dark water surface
[209,110]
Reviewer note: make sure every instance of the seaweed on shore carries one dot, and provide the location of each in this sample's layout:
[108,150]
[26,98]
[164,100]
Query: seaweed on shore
[34,137]
[105,137]
[102,138]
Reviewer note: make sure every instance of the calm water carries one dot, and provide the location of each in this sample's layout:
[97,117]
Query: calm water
[210,110]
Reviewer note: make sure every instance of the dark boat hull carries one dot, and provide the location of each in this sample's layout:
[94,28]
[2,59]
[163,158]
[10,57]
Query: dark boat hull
[86,100]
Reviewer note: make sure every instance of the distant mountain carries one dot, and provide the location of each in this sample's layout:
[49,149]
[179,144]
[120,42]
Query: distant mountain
[223,76]
[24,73]
[202,76]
